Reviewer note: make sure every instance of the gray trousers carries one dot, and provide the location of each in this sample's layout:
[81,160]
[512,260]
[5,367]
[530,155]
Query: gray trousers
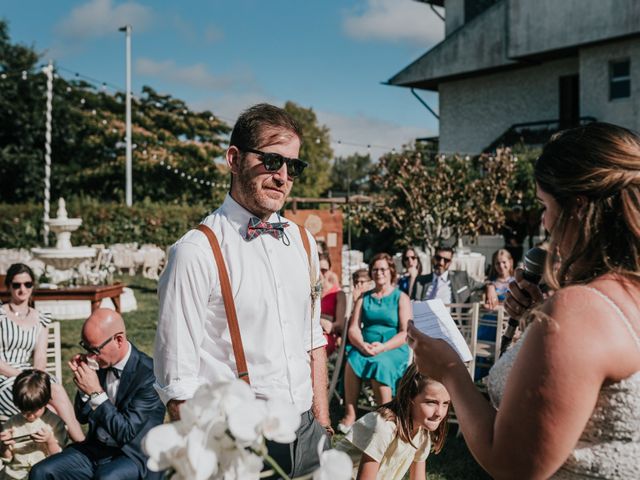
[300,457]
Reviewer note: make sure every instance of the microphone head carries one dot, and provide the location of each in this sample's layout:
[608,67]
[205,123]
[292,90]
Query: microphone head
[534,261]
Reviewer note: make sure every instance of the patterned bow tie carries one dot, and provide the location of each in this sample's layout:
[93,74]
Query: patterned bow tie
[257,227]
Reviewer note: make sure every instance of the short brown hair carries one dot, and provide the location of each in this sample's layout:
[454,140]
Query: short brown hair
[252,125]
[392,266]
[31,390]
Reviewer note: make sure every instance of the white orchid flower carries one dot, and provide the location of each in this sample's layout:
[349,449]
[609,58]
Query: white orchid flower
[202,460]
[245,421]
[241,465]
[163,444]
[334,464]
[281,422]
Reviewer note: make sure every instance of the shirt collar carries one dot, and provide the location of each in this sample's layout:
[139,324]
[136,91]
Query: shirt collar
[121,364]
[444,277]
[239,216]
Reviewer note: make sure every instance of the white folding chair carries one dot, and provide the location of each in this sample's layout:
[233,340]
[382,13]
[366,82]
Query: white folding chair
[54,354]
[466,316]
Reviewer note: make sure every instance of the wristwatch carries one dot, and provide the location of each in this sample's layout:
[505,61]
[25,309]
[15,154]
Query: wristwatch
[93,395]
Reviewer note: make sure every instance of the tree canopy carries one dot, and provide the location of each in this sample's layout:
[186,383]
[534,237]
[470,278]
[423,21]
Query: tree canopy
[422,198]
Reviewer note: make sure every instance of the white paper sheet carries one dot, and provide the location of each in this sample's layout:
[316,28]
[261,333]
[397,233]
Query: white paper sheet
[432,318]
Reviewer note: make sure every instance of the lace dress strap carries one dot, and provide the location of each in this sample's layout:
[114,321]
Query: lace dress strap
[615,307]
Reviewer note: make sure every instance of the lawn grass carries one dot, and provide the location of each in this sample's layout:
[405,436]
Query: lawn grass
[453,463]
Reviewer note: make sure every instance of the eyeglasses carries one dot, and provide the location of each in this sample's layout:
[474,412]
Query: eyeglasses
[273,162]
[410,257]
[17,285]
[439,258]
[381,270]
[96,350]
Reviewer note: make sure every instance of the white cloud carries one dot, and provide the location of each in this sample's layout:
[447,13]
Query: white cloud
[395,20]
[195,75]
[213,34]
[97,18]
[349,134]
[352,134]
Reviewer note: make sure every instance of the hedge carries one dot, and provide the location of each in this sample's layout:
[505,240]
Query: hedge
[106,223]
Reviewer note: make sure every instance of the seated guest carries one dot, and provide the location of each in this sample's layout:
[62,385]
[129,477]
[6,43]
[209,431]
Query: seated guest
[377,350]
[333,305]
[450,286]
[117,400]
[36,432]
[23,345]
[361,283]
[412,268]
[500,276]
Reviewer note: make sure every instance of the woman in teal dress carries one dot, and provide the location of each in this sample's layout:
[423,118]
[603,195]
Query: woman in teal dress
[377,334]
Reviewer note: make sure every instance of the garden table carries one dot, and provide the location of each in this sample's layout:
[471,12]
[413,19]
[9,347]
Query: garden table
[93,293]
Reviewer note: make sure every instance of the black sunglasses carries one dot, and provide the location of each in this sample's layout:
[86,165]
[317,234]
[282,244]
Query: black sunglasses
[17,285]
[96,350]
[273,162]
[437,258]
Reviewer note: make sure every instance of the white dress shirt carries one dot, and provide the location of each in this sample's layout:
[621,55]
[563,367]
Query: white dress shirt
[443,285]
[271,286]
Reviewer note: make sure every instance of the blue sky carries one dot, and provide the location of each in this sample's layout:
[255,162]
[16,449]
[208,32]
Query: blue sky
[225,55]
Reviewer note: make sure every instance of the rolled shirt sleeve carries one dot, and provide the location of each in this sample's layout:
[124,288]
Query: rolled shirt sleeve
[183,293]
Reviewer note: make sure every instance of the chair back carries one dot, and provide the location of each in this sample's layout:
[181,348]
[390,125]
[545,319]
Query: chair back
[466,316]
[54,355]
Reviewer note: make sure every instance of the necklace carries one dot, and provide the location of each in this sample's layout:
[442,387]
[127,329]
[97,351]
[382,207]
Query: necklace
[18,314]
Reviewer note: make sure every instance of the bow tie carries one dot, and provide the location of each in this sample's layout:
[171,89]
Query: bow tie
[116,371]
[257,227]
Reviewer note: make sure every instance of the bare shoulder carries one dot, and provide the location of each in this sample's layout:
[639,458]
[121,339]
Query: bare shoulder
[579,318]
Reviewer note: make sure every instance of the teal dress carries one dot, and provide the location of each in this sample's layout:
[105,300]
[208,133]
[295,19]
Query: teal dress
[379,319]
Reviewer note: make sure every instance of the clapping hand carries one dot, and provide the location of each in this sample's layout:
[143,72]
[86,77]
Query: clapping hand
[85,378]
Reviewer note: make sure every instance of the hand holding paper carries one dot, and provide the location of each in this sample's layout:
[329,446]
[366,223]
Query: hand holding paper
[432,318]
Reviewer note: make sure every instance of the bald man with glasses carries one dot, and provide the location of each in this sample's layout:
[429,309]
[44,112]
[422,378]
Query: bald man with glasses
[116,398]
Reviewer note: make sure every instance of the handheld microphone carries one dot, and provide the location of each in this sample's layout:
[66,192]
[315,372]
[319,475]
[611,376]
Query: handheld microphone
[533,271]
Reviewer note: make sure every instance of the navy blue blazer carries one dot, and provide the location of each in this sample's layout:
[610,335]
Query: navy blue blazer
[137,410]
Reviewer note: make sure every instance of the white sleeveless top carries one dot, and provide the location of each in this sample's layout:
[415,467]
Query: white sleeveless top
[609,446]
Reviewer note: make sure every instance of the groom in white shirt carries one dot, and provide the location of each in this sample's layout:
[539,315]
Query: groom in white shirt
[271,283]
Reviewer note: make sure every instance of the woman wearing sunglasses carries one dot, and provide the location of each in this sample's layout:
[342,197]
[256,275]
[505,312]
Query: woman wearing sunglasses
[412,268]
[23,345]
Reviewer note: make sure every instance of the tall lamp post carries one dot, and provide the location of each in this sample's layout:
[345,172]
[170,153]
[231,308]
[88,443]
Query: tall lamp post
[129,170]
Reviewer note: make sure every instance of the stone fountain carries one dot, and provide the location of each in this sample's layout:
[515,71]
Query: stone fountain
[63,256]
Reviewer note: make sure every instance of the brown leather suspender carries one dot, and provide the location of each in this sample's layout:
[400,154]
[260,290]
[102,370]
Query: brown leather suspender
[229,305]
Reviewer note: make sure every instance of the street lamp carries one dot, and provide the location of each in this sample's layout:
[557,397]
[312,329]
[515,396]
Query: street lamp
[129,174]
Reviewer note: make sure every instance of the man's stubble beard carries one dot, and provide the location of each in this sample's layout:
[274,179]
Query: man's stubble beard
[254,198]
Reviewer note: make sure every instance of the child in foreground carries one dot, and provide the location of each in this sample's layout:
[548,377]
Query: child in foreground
[36,432]
[399,436]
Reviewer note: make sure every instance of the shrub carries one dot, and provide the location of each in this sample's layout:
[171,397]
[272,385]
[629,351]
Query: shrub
[107,223]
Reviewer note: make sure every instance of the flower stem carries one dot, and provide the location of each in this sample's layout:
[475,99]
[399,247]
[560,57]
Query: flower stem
[273,464]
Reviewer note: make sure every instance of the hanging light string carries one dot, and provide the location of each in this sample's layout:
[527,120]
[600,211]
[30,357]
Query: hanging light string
[23,74]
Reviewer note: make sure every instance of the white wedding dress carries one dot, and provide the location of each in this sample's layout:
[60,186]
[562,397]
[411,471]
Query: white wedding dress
[609,446]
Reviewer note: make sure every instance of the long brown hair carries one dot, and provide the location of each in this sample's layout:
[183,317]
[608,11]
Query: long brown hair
[599,163]
[398,410]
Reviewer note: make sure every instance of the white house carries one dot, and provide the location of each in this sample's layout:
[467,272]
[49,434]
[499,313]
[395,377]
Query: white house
[511,67]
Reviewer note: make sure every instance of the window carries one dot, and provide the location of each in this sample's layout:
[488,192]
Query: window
[619,79]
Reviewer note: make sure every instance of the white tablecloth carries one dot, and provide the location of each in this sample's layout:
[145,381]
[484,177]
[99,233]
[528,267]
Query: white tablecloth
[473,263]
